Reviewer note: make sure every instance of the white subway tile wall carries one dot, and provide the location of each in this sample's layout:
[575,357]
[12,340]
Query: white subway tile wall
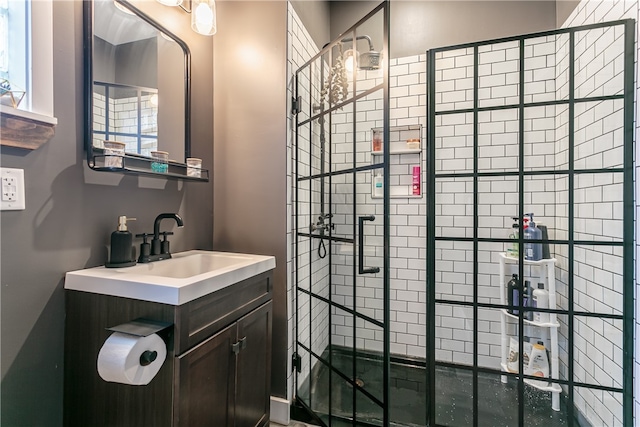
[123,118]
[598,209]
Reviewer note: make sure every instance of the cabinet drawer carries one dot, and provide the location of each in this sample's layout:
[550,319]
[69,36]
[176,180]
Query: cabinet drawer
[199,319]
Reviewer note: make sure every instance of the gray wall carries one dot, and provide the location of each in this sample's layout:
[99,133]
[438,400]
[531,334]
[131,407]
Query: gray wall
[316,17]
[104,60]
[68,220]
[137,63]
[564,9]
[250,185]
[420,25]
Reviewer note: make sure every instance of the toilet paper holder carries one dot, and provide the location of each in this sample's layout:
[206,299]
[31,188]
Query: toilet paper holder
[142,327]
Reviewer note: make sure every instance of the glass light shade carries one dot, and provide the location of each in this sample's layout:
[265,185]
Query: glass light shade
[203,17]
[170,2]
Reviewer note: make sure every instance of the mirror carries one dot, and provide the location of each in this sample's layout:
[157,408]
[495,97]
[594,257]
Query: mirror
[137,88]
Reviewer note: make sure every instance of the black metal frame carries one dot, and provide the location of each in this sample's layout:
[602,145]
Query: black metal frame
[87,50]
[327,52]
[627,242]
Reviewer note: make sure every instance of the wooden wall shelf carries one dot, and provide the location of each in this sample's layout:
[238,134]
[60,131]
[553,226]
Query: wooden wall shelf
[19,131]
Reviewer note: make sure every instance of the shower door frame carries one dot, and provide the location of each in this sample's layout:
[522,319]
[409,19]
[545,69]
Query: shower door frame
[627,242]
[386,356]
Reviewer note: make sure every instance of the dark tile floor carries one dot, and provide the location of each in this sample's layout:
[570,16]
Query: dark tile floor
[497,403]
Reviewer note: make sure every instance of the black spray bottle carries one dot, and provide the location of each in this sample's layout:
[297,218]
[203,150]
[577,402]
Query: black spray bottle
[121,245]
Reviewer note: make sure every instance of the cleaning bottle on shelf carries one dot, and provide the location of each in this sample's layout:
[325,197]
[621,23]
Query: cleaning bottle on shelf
[513,294]
[538,364]
[541,300]
[527,299]
[532,251]
[513,250]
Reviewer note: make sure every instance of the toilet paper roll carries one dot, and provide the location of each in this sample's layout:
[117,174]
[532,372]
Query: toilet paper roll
[129,359]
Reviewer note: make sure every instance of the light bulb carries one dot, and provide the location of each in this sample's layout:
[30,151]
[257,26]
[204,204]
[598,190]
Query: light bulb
[350,60]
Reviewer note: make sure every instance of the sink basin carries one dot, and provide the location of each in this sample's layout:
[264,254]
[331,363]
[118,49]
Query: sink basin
[183,278]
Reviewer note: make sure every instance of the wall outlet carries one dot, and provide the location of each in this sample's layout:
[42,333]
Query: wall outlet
[12,196]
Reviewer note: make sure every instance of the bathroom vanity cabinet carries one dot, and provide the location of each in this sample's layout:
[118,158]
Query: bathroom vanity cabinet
[232,369]
[218,366]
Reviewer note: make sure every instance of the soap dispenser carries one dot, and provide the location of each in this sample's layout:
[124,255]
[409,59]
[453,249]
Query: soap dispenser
[121,245]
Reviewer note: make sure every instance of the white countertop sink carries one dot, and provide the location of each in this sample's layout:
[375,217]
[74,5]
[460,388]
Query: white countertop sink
[183,278]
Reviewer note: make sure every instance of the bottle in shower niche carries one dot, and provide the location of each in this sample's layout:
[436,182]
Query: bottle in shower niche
[378,187]
[532,251]
[376,143]
[416,181]
[513,294]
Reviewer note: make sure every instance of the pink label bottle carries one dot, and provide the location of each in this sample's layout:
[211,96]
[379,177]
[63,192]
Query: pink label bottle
[416,180]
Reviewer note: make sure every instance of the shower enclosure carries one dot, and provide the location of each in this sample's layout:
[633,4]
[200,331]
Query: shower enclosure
[407,174]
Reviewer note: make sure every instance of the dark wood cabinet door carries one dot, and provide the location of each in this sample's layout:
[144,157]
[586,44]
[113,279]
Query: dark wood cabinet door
[253,377]
[205,383]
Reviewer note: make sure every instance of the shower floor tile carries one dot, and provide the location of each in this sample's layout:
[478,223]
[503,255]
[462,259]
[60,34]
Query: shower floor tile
[497,404]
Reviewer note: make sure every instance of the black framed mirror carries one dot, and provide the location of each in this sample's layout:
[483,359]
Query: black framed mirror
[137,93]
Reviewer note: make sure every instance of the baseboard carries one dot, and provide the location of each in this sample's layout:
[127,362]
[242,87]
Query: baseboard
[280,410]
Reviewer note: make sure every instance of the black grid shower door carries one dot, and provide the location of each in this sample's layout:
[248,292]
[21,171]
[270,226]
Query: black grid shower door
[540,123]
[341,230]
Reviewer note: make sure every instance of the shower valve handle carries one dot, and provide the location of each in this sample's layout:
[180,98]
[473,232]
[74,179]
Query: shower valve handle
[361,268]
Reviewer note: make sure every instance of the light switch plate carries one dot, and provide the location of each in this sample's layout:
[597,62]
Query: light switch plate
[12,196]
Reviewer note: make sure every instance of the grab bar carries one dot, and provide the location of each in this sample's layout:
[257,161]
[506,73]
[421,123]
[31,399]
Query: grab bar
[362,270]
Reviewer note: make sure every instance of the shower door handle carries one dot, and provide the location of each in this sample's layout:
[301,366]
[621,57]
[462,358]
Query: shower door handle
[362,270]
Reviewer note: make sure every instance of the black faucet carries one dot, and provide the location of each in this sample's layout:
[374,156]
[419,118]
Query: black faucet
[157,250]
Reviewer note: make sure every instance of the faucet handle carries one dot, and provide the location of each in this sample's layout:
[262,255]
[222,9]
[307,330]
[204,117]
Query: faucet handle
[164,245]
[145,248]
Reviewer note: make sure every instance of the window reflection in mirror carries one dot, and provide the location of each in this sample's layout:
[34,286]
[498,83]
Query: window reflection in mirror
[138,84]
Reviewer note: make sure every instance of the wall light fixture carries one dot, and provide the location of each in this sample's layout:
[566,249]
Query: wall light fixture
[203,14]
[203,17]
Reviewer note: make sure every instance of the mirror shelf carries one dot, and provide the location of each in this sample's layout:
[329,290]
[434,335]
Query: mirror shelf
[132,164]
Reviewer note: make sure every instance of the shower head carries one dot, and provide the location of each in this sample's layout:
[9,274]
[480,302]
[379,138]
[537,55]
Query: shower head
[369,60]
